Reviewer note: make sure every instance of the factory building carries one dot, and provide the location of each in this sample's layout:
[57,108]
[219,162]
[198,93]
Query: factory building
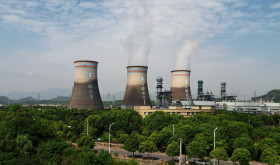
[201,96]
[179,100]
[229,102]
[250,107]
[85,93]
[136,93]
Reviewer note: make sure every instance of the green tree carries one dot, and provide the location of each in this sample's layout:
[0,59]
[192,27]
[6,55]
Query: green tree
[245,142]
[24,145]
[173,149]
[147,146]
[123,138]
[157,121]
[105,137]
[241,155]
[220,154]
[54,150]
[86,141]
[196,149]
[132,143]
[270,156]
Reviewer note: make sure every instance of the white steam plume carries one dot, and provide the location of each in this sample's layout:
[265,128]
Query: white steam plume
[189,49]
[139,41]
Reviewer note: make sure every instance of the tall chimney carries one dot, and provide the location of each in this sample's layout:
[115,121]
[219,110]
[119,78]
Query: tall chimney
[85,94]
[136,93]
[180,84]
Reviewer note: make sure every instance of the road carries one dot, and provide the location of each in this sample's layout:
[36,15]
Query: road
[156,157]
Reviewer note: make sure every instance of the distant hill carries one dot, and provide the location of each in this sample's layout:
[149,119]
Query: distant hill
[4,100]
[271,96]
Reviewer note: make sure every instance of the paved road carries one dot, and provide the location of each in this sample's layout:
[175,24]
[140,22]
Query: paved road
[159,157]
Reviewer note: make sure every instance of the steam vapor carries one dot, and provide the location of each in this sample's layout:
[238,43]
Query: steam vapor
[139,41]
[189,49]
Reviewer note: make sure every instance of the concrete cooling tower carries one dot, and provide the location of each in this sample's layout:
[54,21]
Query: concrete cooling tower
[85,94]
[180,84]
[136,93]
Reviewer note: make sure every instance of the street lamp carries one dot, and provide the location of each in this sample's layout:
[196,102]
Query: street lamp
[214,141]
[109,136]
[87,127]
[215,136]
[180,159]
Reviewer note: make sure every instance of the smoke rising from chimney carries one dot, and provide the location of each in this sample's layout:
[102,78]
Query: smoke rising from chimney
[189,49]
[139,41]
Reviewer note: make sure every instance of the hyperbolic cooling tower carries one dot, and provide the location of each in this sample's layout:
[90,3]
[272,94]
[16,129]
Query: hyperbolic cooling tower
[85,94]
[180,84]
[136,93]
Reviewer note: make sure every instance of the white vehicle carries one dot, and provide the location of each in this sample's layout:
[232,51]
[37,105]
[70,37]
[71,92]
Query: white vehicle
[202,162]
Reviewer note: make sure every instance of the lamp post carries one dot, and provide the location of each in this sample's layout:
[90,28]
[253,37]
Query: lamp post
[180,158]
[87,127]
[109,136]
[215,141]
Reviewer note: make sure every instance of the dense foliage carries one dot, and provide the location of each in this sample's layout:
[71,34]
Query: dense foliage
[46,135]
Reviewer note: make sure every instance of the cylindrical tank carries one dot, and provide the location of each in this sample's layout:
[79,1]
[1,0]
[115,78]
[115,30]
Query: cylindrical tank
[180,84]
[136,93]
[85,94]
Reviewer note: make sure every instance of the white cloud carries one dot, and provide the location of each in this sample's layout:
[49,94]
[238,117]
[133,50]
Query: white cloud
[275,5]
[70,30]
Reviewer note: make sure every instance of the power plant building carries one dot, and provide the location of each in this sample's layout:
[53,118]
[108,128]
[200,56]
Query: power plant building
[136,93]
[180,84]
[85,94]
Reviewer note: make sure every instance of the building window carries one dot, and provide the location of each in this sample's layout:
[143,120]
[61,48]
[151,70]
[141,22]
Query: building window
[178,113]
[144,113]
[188,113]
[149,113]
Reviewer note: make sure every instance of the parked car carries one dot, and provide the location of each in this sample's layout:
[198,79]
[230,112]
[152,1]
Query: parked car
[203,162]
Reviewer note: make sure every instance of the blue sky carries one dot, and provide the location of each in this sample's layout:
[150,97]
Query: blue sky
[238,40]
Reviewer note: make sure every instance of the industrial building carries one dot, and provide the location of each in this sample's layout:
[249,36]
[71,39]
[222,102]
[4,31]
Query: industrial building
[136,93]
[229,102]
[179,99]
[85,93]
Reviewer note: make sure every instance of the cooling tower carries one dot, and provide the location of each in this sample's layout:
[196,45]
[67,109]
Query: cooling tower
[180,84]
[85,94]
[136,93]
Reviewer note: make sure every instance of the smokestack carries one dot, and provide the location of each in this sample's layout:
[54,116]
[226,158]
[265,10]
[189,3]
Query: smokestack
[180,84]
[200,87]
[85,94]
[223,88]
[136,93]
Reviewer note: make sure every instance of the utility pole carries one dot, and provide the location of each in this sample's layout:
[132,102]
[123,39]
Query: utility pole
[173,129]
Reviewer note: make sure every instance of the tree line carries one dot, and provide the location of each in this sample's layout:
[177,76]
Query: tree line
[45,135]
